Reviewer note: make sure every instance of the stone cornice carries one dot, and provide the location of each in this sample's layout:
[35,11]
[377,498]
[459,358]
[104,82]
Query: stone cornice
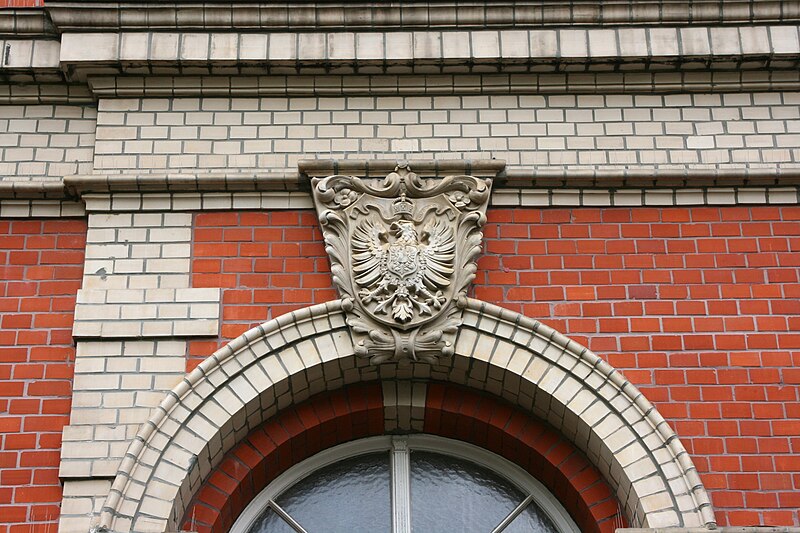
[483,51]
[46,93]
[298,181]
[418,15]
[656,178]
[159,183]
[490,60]
[25,23]
[326,85]
[381,167]
[26,190]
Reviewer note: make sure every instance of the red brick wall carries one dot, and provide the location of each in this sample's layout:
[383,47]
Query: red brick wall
[700,307]
[21,3]
[268,263]
[41,264]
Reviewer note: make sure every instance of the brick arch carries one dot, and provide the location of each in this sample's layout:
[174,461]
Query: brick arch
[295,434]
[354,412]
[287,360]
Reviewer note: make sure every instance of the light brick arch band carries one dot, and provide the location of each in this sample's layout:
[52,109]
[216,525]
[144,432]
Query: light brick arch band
[295,356]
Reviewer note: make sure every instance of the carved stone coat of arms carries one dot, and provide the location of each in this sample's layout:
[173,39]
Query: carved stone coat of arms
[403,254]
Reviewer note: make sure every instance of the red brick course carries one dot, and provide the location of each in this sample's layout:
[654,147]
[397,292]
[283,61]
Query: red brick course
[700,307]
[21,3]
[41,264]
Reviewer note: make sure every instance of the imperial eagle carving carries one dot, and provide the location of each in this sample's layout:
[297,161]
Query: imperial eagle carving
[404,273]
[402,255]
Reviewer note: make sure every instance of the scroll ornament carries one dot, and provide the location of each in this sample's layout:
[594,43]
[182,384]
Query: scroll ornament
[403,254]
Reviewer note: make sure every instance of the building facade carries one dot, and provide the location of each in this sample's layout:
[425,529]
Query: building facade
[182,332]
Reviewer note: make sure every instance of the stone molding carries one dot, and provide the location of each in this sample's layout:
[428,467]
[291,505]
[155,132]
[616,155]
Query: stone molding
[195,43]
[292,357]
[432,51]
[636,197]
[501,197]
[400,85]
[432,85]
[651,177]
[537,178]
[25,21]
[45,93]
[569,188]
[30,60]
[29,190]
[184,182]
[71,16]
[379,168]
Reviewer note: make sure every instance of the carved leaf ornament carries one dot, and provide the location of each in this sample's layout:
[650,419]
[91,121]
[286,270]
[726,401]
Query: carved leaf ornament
[403,253]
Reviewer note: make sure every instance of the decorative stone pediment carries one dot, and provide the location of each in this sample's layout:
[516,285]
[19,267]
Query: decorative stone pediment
[403,252]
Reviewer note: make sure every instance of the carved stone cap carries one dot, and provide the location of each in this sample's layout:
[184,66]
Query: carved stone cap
[403,252]
[380,168]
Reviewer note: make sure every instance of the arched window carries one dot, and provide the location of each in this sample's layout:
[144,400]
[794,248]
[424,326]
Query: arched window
[404,484]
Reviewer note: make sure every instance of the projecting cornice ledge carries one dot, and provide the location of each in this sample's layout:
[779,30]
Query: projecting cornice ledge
[507,181]
[201,182]
[552,178]
[349,15]
[589,48]
[26,22]
[28,190]
[379,168]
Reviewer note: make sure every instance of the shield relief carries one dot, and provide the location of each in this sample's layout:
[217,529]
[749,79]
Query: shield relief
[403,253]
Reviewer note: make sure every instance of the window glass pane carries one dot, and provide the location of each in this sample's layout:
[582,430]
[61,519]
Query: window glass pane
[531,520]
[448,494]
[270,521]
[350,496]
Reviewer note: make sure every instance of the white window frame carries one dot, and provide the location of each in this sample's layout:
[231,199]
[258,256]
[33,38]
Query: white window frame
[400,448]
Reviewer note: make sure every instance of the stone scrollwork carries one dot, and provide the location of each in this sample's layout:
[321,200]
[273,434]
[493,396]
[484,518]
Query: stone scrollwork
[403,252]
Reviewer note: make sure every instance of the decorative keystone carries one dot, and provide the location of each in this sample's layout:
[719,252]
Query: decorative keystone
[402,254]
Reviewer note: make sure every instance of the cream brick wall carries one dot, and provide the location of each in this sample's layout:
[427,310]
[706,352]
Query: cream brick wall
[133,316]
[583,131]
[46,142]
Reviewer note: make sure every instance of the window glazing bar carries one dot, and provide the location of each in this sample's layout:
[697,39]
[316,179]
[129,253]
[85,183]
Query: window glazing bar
[513,514]
[401,486]
[288,519]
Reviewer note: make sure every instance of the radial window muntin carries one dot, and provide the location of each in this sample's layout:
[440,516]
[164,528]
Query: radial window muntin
[400,448]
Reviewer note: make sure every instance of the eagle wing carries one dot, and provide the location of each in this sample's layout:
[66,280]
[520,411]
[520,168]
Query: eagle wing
[437,257]
[369,253]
